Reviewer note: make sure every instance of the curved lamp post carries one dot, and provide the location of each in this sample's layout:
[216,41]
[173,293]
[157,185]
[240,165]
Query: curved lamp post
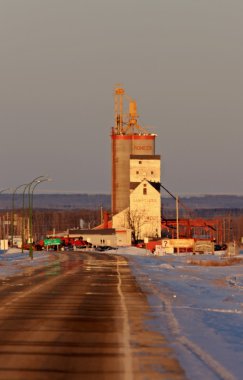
[23,219]
[1,191]
[35,182]
[23,207]
[12,216]
[2,219]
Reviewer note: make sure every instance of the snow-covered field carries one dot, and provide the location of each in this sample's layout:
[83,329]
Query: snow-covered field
[198,308]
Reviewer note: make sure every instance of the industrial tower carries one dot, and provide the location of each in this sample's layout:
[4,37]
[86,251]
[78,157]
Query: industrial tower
[135,171]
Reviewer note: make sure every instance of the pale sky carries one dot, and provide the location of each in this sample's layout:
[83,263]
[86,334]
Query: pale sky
[182,60]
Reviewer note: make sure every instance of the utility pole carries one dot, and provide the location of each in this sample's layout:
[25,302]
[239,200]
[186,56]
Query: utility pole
[101,214]
[177,217]
[177,221]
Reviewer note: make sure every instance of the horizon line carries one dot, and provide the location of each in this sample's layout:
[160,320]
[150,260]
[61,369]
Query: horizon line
[75,192]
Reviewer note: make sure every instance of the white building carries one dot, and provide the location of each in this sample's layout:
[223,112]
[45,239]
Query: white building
[143,215]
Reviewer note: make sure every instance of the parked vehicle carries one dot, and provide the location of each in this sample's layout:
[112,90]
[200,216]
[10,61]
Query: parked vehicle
[104,248]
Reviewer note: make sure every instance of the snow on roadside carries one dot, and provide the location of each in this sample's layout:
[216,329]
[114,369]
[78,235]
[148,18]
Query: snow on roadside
[198,308]
[14,261]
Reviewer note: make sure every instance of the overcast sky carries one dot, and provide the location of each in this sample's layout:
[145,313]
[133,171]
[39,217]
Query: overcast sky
[182,60]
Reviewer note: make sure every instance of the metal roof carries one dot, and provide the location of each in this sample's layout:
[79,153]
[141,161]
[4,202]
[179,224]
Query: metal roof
[105,231]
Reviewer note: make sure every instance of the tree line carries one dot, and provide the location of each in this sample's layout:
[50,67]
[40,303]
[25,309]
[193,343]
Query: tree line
[46,222]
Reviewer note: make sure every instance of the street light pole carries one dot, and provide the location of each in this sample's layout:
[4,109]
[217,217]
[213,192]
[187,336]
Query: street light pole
[35,182]
[23,217]
[1,191]
[2,221]
[13,207]
[177,218]
[177,223]
[23,207]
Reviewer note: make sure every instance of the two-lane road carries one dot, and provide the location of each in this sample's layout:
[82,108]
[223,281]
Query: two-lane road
[81,316]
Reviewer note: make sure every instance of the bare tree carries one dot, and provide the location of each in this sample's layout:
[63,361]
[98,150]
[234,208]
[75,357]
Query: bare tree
[44,221]
[135,220]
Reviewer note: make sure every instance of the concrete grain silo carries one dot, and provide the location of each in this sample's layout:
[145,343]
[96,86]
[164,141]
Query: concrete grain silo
[128,138]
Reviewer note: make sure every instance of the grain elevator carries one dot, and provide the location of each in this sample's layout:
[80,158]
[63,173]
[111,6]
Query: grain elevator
[136,199]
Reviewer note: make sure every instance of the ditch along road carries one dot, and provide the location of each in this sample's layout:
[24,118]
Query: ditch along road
[81,316]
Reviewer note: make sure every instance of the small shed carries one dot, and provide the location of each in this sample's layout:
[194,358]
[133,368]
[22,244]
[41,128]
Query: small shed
[103,236]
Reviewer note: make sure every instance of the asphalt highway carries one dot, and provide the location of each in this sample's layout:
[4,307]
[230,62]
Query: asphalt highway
[81,316]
